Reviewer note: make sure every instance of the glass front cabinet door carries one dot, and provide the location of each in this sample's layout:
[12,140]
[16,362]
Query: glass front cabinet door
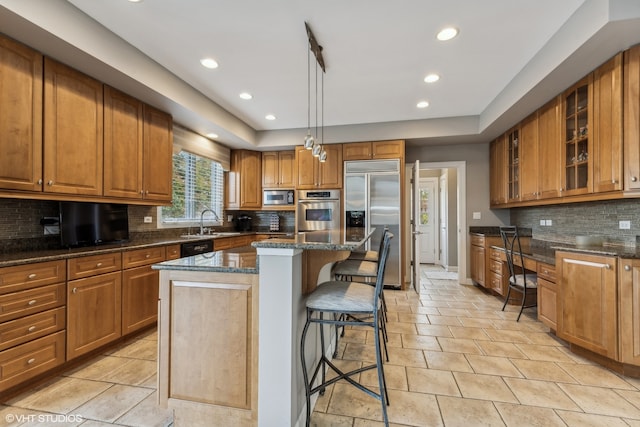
[577,108]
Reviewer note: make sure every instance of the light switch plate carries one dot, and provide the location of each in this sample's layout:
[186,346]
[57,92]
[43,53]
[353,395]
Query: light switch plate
[549,222]
[625,225]
[543,222]
[148,220]
[477,215]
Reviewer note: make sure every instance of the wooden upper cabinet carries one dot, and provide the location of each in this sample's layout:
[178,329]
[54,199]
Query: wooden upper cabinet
[314,174]
[549,153]
[607,129]
[21,117]
[632,118]
[577,117]
[157,155]
[73,131]
[498,171]
[279,169]
[373,150]
[529,168]
[123,121]
[243,189]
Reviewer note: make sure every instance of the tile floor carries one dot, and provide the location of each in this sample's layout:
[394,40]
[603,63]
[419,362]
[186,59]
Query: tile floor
[455,360]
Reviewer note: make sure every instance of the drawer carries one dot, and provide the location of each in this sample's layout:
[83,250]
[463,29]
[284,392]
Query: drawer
[25,361]
[31,327]
[140,257]
[86,266]
[27,276]
[31,301]
[547,271]
[497,254]
[173,251]
[496,266]
[477,239]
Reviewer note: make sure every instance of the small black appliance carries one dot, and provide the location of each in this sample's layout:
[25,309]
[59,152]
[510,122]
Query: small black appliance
[243,223]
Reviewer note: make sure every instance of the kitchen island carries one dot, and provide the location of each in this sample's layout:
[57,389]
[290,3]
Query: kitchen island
[229,330]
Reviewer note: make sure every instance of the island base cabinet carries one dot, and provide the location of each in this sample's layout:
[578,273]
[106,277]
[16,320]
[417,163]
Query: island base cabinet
[587,312]
[208,341]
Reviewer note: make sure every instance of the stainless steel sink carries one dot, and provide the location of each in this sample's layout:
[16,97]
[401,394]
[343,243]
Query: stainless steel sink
[194,236]
[225,233]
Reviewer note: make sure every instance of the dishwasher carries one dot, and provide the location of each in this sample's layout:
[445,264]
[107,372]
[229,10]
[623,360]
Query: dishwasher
[196,248]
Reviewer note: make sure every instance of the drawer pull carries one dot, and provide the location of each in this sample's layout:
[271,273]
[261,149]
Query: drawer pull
[634,178]
[627,268]
[31,328]
[30,361]
[74,290]
[607,266]
[32,302]
[147,256]
[99,265]
[32,276]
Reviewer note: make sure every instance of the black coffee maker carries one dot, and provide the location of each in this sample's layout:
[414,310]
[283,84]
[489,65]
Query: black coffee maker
[243,223]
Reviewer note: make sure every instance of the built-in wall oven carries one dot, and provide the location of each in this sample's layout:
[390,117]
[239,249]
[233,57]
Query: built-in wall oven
[318,210]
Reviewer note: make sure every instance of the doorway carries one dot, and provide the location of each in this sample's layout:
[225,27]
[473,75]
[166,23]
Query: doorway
[428,221]
[456,218]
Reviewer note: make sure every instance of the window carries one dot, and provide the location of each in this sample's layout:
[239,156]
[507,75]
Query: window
[197,185]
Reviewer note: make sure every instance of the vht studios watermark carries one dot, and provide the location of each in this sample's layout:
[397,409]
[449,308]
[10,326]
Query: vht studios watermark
[43,418]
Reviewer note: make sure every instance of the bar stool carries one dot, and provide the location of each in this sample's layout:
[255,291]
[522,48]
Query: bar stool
[519,279]
[342,299]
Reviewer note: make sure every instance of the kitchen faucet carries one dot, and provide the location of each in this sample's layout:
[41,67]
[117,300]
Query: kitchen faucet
[202,218]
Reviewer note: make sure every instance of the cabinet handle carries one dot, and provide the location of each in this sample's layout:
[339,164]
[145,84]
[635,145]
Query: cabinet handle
[50,182]
[614,181]
[99,264]
[30,361]
[32,276]
[147,256]
[607,266]
[33,301]
[74,290]
[627,268]
[40,181]
[634,178]
[141,191]
[31,328]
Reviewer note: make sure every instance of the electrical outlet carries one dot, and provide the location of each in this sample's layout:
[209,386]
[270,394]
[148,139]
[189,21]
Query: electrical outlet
[148,219]
[543,222]
[477,215]
[549,222]
[625,225]
[229,218]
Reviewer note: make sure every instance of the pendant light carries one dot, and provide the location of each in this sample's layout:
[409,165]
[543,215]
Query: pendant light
[309,141]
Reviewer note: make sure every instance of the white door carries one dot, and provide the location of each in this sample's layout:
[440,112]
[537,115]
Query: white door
[443,223]
[428,220]
[415,237]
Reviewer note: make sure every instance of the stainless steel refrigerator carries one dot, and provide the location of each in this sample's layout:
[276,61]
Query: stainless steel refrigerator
[372,200]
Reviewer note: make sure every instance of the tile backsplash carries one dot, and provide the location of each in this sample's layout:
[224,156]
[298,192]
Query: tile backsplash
[20,223]
[589,218]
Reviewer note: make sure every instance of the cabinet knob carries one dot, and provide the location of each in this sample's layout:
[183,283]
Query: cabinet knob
[30,361]
[32,302]
[614,181]
[627,268]
[147,256]
[74,290]
[50,182]
[141,191]
[607,266]
[31,328]
[32,276]
[634,178]
[40,181]
[99,264]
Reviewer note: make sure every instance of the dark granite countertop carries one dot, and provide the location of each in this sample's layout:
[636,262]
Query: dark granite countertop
[330,240]
[495,231]
[26,257]
[236,260]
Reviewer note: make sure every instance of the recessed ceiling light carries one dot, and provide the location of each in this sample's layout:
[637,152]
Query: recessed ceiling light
[246,95]
[422,104]
[431,78]
[447,33]
[209,63]
[212,135]
[135,1]
[270,117]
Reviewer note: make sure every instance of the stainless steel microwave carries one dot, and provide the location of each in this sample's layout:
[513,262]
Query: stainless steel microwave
[278,198]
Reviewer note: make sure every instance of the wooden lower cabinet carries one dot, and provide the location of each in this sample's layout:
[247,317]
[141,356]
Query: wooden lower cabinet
[478,264]
[139,298]
[93,312]
[547,295]
[221,243]
[629,297]
[480,258]
[497,271]
[587,305]
[208,341]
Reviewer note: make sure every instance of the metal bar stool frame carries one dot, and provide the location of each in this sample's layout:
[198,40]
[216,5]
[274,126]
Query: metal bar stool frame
[519,279]
[371,308]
